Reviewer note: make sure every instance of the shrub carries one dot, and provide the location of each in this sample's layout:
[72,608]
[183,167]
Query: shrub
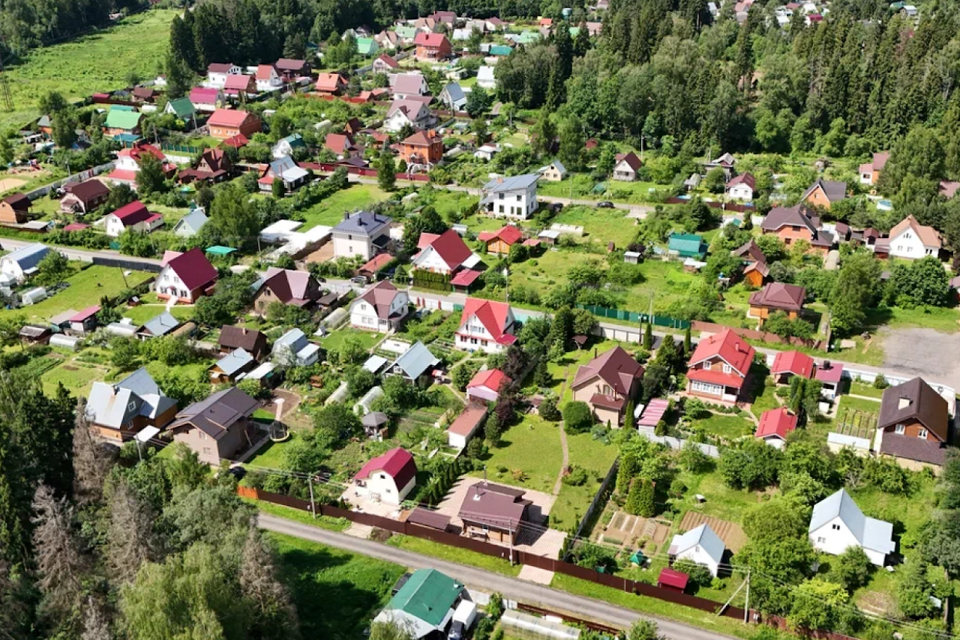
[700,575]
[577,417]
[880,382]
[576,476]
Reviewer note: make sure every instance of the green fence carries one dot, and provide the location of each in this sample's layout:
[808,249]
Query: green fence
[632,317]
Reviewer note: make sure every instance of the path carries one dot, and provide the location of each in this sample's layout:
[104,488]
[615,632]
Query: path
[563,440]
[83,255]
[511,588]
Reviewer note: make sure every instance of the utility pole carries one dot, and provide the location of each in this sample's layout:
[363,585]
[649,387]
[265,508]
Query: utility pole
[313,506]
[746,606]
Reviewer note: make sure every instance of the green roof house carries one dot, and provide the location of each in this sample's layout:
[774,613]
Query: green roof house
[687,245]
[122,121]
[367,47]
[406,32]
[425,601]
[528,37]
[182,108]
[500,50]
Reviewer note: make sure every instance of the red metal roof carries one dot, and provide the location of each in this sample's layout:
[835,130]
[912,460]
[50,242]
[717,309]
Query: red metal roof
[491,379]
[329,82]
[396,463]
[671,578]
[237,141]
[228,118]
[832,373]
[799,364]
[653,413]
[451,248]
[465,278]
[715,376]
[727,345]
[238,82]
[468,421]
[508,234]
[86,313]
[492,315]
[377,262]
[76,226]
[778,295]
[776,422]
[131,214]
[192,267]
[429,39]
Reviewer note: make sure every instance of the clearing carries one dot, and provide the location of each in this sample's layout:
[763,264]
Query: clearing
[330,211]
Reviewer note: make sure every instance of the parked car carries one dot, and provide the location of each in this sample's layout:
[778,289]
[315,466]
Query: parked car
[604,204]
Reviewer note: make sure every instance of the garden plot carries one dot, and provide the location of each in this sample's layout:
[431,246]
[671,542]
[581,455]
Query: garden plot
[730,532]
[625,530]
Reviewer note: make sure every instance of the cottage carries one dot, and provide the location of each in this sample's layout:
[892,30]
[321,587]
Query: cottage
[388,478]
[687,245]
[293,349]
[363,234]
[384,64]
[608,384]
[331,84]
[725,162]
[181,109]
[423,148]
[626,167]
[453,97]
[189,225]
[219,72]
[119,411]
[84,321]
[408,85]
[367,47]
[913,426]
[432,47]
[158,326]
[500,241]
[792,224]
[83,197]
[870,172]
[122,121]
[32,335]
[128,163]
[219,427]
[214,166]
[206,99]
[446,253]
[718,367]
[288,145]
[132,217]
[228,123]
[416,365]
[425,604]
[514,197]
[286,287]
[231,367]
[777,296]
[486,325]
[791,363]
[485,386]
[342,145]
[240,86]
[185,276]
[268,78]
[830,375]
[700,545]
[775,426]
[554,172]
[18,265]
[382,307]
[742,187]
[755,269]
[911,240]
[837,524]
[486,78]
[287,171]
[250,340]
[405,112]
[494,512]
[466,425]
[823,193]
[292,69]
[15,209]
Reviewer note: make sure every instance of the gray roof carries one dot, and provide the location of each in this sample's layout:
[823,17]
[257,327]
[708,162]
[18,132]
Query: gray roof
[872,534]
[114,405]
[703,536]
[295,340]
[29,256]
[193,221]
[498,185]
[363,223]
[161,325]
[415,361]
[455,93]
[217,413]
[234,362]
[832,189]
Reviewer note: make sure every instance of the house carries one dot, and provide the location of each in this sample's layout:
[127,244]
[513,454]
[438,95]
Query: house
[214,166]
[911,240]
[514,197]
[486,326]
[181,109]
[363,233]
[189,225]
[185,276]
[453,96]
[158,326]
[718,367]
[132,217]
[32,335]
[799,222]
[913,426]
[486,78]
[554,172]
[128,163]
[837,524]
[485,385]
[227,123]
[367,47]
[231,367]
[374,266]
[240,86]
[286,170]
[286,146]
[725,162]
[120,410]
[268,78]
[387,40]
[626,167]
[291,69]
[404,112]
[85,321]
[446,253]
[287,287]
[423,148]
[791,363]
[342,145]
[494,512]
[776,296]
[830,375]
[14,209]
[742,187]
[448,18]
[218,72]
[18,265]
[467,423]
[206,99]
[823,193]
[607,384]
[424,604]
[293,349]
[250,340]
[382,307]
[83,197]
[700,545]
[755,268]
[432,46]
[384,64]
[144,94]
[408,85]
[122,121]
[416,365]
[487,151]
[331,84]
[387,478]
[870,172]
[499,242]
[218,427]
[775,426]
[687,245]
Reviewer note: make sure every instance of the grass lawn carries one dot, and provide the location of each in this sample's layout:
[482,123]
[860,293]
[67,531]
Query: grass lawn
[447,202]
[335,340]
[289,513]
[597,458]
[146,312]
[453,554]
[721,501]
[765,397]
[86,288]
[864,389]
[98,62]
[533,447]
[77,377]
[271,455]
[604,225]
[846,403]
[337,593]
[580,186]
[330,211]
[724,425]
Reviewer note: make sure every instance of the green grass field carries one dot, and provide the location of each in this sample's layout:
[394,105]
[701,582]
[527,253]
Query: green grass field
[453,554]
[533,446]
[98,62]
[722,425]
[146,312]
[330,211]
[597,458]
[602,225]
[77,377]
[336,338]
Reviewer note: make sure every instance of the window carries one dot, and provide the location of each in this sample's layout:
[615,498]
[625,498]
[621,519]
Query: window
[519,198]
[707,365]
[835,527]
[821,540]
[922,433]
[900,429]
[131,406]
[206,451]
[726,368]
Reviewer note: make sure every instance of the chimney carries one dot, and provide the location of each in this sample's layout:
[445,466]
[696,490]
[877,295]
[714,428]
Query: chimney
[346,215]
[826,365]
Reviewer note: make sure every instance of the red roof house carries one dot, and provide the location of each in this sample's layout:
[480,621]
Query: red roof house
[485,386]
[133,216]
[718,367]
[384,64]
[443,253]
[432,46]
[331,84]
[239,84]
[791,363]
[387,478]
[486,326]
[227,123]
[185,276]
[776,425]
[607,384]
[342,145]
[500,241]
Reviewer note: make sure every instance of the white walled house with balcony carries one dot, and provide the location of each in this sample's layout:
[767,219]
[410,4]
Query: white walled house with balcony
[185,276]
[486,326]
[514,198]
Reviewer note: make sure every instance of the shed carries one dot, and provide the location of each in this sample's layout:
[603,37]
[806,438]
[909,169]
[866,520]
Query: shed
[33,296]
[430,519]
[673,580]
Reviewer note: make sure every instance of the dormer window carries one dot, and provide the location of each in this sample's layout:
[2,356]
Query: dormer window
[726,368]
[707,365]
[922,434]
[131,406]
[903,403]
[900,429]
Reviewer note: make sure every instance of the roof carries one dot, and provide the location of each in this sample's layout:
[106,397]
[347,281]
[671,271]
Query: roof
[193,220]
[285,168]
[607,401]
[798,216]
[329,82]
[469,420]
[291,286]
[115,405]
[745,179]
[29,256]
[430,39]
[217,413]
[238,82]
[830,372]
[494,505]
[131,214]
[427,518]
[228,118]
[703,536]
[915,400]
[203,95]
[449,246]
[416,360]
[191,267]
[799,364]
[234,361]
[750,251]
[631,159]
[86,314]
[499,185]
[509,234]
[338,142]
[833,190]
[928,235]
[875,535]
[489,378]
[492,315]
[266,71]
[686,243]
[727,345]
[122,119]
[219,67]
[911,448]
[615,367]
[672,578]
[465,277]
[410,107]
[162,324]
[18,201]
[776,422]
[778,295]
[387,60]
[237,141]
[427,595]
[380,296]
[88,189]
[376,263]
[396,463]
[653,412]
[233,337]
[408,83]
[290,64]
[362,223]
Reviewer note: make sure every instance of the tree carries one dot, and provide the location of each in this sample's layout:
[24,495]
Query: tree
[150,178]
[644,630]
[852,569]
[276,616]
[629,467]
[478,102]
[386,171]
[648,336]
[277,188]
[124,353]
[541,375]
[914,590]
[548,409]
[750,464]
[179,76]
[646,507]
[577,417]
[854,291]
[96,624]
[53,269]
[130,538]
[543,134]
[392,629]
[57,553]
[816,605]
[634,501]
[491,430]
[91,461]
[462,375]
[120,195]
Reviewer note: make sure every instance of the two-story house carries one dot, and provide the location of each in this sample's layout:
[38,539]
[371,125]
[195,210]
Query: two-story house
[121,121]
[514,197]
[432,47]
[284,169]
[214,166]
[83,197]
[742,187]
[343,145]
[288,287]
[218,72]
[363,233]
[118,411]
[384,63]
[268,79]
[837,524]
[776,296]
[207,99]
[718,367]
[330,84]
[408,112]
[486,326]
[500,241]
[228,123]
[700,545]
[382,307]
[823,193]
[870,172]
[128,164]
[424,148]
[914,425]
[910,240]
[185,276]
[134,217]
[445,253]
[408,85]
[795,223]
[607,384]
[293,349]
[218,427]
[626,167]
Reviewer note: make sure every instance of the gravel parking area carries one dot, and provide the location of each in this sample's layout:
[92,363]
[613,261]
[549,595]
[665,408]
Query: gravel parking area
[923,352]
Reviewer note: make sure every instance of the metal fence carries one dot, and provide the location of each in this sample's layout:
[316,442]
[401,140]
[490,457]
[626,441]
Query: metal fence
[634,317]
[77,177]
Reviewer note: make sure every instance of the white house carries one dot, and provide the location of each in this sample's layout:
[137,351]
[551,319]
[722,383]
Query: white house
[486,79]
[487,151]
[911,240]
[444,253]
[742,187]
[486,326]
[381,307]
[408,85]
[700,545]
[185,276]
[387,478]
[838,524]
[553,172]
[403,112]
[267,78]
[190,224]
[453,96]
[514,197]
[217,73]
[293,349]
[133,217]
[362,234]
[17,266]
[626,167]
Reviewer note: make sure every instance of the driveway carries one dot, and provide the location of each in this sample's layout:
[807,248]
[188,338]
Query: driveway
[922,352]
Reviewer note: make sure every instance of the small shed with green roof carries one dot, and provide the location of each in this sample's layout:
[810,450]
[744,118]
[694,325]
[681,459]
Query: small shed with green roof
[687,245]
[182,108]
[426,602]
[219,250]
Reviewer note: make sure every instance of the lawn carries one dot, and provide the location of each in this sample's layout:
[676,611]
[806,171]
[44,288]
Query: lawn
[330,211]
[864,389]
[447,202]
[728,426]
[145,312]
[597,458]
[337,593]
[271,455]
[98,62]
[857,404]
[304,517]
[721,501]
[580,186]
[531,447]
[764,397]
[86,288]
[453,554]
[77,377]
[335,340]
[603,225]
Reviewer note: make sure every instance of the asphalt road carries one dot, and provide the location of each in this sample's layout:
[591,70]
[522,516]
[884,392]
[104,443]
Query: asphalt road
[511,588]
[73,253]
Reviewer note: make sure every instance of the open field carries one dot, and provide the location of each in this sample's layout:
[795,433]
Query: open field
[336,339]
[728,426]
[602,225]
[330,211]
[531,447]
[76,376]
[98,62]
[597,458]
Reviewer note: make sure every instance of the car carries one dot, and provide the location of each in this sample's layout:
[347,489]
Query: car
[604,204]
[456,631]
[362,280]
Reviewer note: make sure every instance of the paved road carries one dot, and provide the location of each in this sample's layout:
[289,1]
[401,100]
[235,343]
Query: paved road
[79,254]
[511,588]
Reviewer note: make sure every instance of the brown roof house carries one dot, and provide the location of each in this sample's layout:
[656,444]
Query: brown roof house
[792,224]
[382,307]
[755,268]
[251,341]
[286,286]
[119,411]
[83,197]
[823,193]
[776,296]
[608,383]
[15,208]
[214,166]
[626,167]
[218,427]
[494,512]
[914,425]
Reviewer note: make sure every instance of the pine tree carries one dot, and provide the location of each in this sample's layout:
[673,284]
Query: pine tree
[634,502]
[276,616]
[57,553]
[130,541]
[96,626]
[386,171]
[581,43]
[625,473]
[687,342]
[648,337]
[646,507]
[91,461]
[541,376]
[491,430]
